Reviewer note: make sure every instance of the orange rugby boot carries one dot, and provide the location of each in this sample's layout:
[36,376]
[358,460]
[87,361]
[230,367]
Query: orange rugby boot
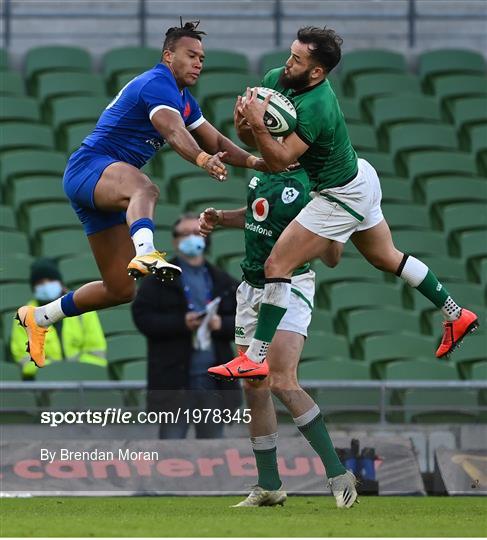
[455,331]
[152,263]
[240,368]
[36,335]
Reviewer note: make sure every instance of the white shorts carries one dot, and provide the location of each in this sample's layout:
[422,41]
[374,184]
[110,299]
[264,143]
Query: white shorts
[296,318]
[337,213]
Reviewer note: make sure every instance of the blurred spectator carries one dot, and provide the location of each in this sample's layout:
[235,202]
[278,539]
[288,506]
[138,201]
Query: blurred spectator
[74,339]
[169,314]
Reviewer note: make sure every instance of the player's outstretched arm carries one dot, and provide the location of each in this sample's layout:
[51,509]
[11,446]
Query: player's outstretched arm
[171,126]
[211,217]
[212,141]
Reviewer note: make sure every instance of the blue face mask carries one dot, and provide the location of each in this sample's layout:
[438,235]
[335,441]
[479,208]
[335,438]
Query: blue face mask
[192,246]
[46,292]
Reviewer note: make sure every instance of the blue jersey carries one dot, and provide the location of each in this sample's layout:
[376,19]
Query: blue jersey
[125,132]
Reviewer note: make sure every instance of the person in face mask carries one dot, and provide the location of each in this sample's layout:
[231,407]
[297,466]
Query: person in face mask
[79,339]
[170,314]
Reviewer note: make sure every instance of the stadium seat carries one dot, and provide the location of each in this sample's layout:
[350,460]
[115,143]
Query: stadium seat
[394,110]
[406,216]
[135,371]
[13,243]
[320,344]
[79,269]
[167,214]
[14,268]
[163,239]
[381,161]
[478,147]
[450,88]
[10,372]
[426,164]
[445,268]
[171,166]
[14,295]
[465,294]
[60,84]
[64,111]
[321,321]
[355,295]
[363,137]
[330,369]
[468,113]
[470,244]
[478,270]
[124,348]
[396,190]
[117,321]
[459,217]
[47,216]
[123,59]
[122,79]
[370,86]
[74,135]
[213,85]
[18,163]
[351,110]
[8,220]
[419,243]
[11,84]
[434,64]
[225,61]
[192,191]
[409,138]
[71,371]
[369,61]
[472,350]
[18,407]
[273,59]
[434,405]
[221,111]
[379,320]
[54,58]
[232,266]
[226,243]
[61,243]
[19,109]
[23,135]
[3,59]
[36,189]
[478,371]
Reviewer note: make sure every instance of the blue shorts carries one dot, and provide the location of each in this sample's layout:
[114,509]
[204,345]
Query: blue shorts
[82,173]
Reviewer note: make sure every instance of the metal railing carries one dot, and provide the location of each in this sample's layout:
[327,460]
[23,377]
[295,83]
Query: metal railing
[276,14]
[383,386]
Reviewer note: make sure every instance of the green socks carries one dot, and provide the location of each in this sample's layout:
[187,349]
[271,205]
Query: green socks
[266,461]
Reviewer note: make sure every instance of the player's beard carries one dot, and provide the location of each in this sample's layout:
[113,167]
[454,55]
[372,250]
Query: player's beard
[298,82]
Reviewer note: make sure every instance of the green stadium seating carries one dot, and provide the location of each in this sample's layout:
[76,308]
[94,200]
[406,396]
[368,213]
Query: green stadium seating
[10,372]
[74,135]
[167,214]
[320,344]
[61,243]
[232,266]
[434,64]
[363,137]
[465,294]
[381,161]
[445,268]
[472,350]
[396,190]
[213,85]
[380,320]
[226,243]
[171,166]
[79,269]
[479,270]
[17,407]
[370,86]
[225,61]
[468,113]
[72,371]
[450,88]
[478,372]
[478,146]
[18,163]
[273,59]
[134,371]
[3,59]
[54,58]
[13,243]
[221,111]
[470,244]
[60,84]
[334,369]
[163,239]
[64,111]
[11,84]
[14,295]
[22,135]
[406,216]
[321,321]
[351,110]
[355,295]
[32,189]
[459,217]
[124,348]
[19,109]
[434,405]
[425,164]
[122,79]
[394,110]
[48,216]
[419,243]
[369,61]
[336,84]
[123,59]
[194,190]
[117,321]
[409,138]
[7,218]
[14,268]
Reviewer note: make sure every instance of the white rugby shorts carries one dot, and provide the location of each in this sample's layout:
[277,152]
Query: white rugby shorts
[337,213]
[296,318]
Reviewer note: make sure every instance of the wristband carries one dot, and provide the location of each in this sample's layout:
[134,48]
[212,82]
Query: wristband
[202,159]
[219,219]
[251,161]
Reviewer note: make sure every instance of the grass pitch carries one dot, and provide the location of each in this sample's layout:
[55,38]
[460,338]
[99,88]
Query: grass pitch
[211,516]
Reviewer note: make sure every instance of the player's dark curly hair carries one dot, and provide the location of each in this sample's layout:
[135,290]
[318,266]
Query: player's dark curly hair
[325,45]
[177,32]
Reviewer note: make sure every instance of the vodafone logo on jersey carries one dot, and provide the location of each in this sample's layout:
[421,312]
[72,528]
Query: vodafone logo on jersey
[260,209]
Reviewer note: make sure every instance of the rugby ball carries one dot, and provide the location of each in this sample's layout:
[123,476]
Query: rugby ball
[280,117]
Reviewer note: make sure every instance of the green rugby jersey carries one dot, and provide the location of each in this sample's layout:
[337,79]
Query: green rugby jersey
[273,201]
[330,159]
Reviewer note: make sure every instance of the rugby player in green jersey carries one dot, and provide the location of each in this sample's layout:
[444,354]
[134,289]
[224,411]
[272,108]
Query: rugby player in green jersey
[346,197]
[273,201]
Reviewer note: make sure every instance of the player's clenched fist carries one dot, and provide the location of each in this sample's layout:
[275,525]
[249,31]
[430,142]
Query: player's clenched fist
[209,219]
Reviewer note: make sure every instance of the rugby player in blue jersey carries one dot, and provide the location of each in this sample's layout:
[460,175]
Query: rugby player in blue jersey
[114,200]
